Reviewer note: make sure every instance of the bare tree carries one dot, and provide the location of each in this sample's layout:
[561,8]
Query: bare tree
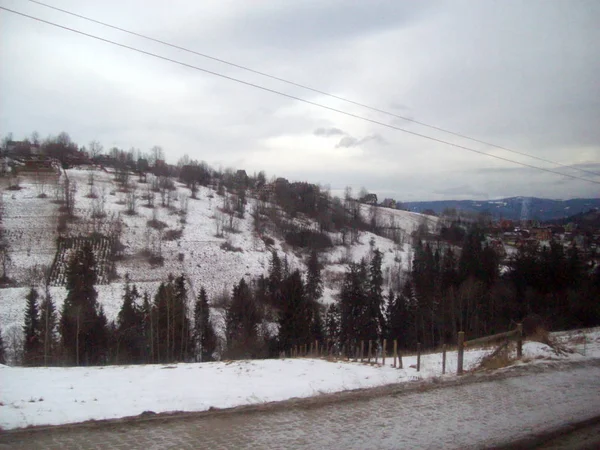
[156,153]
[220,221]
[70,189]
[15,344]
[131,199]
[95,149]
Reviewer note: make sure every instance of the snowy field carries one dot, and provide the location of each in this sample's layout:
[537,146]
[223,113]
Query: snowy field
[52,396]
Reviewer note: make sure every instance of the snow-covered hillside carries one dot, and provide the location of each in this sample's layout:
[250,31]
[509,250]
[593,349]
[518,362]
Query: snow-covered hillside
[31,223]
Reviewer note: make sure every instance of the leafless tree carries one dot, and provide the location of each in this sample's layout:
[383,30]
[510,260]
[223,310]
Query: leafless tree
[149,196]
[131,200]
[95,149]
[70,189]
[220,221]
[15,344]
[156,153]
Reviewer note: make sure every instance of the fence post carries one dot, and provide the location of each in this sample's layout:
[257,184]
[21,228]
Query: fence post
[418,356]
[316,348]
[519,340]
[370,347]
[400,366]
[395,351]
[362,350]
[461,352]
[444,359]
[384,351]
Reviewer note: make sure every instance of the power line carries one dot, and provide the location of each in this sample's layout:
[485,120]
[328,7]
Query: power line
[273,91]
[292,83]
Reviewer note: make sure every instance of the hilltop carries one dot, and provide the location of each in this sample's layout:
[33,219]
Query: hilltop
[147,235]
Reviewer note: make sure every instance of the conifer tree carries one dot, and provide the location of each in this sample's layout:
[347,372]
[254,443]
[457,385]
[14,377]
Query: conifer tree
[82,323]
[354,307]
[275,277]
[2,349]
[314,282]
[130,343]
[241,320]
[204,333]
[31,329]
[376,321]
[332,326]
[296,312]
[48,323]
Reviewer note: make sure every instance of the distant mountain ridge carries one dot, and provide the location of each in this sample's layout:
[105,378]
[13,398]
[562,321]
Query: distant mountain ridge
[513,208]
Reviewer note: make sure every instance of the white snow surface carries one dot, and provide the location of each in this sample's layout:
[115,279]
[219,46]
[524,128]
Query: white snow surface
[52,396]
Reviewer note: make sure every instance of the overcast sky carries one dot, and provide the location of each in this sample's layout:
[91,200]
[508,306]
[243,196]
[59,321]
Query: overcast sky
[520,74]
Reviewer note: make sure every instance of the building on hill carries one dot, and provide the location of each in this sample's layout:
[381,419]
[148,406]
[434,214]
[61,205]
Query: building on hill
[22,149]
[541,234]
[389,203]
[369,199]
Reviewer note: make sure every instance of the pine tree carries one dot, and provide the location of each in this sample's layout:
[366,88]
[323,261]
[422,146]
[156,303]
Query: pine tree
[2,349]
[296,312]
[275,277]
[241,320]
[171,324]
[204,333]
[376,320]
[147,323]
[314,291]
[31,329]
[81,324]
[48,323]
[354,307]
[130,345]
[314,282]
[332,327]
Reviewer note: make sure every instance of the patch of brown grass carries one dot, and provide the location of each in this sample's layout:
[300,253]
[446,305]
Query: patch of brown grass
[497,362]
[542,335]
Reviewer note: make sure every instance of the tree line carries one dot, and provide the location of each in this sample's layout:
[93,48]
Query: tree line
[448,289]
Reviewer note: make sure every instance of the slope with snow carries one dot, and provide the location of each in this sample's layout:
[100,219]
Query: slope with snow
[216,263]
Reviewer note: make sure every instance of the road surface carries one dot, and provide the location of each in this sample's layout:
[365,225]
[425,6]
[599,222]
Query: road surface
[475,415]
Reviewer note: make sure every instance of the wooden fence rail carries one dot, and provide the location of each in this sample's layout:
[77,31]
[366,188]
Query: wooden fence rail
[516,335]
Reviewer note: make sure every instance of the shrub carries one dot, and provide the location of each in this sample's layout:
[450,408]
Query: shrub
[229,247]
[172,235]
[308,239]
[156,224]
[269,241]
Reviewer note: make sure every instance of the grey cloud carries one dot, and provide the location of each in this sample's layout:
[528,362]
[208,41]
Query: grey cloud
[519,74]
[350,141]
[301,25]
[327,132]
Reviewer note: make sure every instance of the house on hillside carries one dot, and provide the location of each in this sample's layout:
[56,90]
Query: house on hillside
[541,234]
[369,199]
[22,149]
[389,203]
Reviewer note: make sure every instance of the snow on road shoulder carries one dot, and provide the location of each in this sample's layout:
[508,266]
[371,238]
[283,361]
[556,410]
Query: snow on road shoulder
[52,396]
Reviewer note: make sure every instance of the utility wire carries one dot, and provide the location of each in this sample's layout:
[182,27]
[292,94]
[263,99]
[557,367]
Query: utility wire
[292,83]
[356,116]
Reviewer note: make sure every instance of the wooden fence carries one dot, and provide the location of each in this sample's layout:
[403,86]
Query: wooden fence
[373,355]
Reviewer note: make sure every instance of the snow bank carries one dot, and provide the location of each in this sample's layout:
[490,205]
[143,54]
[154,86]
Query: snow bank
[52,396]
